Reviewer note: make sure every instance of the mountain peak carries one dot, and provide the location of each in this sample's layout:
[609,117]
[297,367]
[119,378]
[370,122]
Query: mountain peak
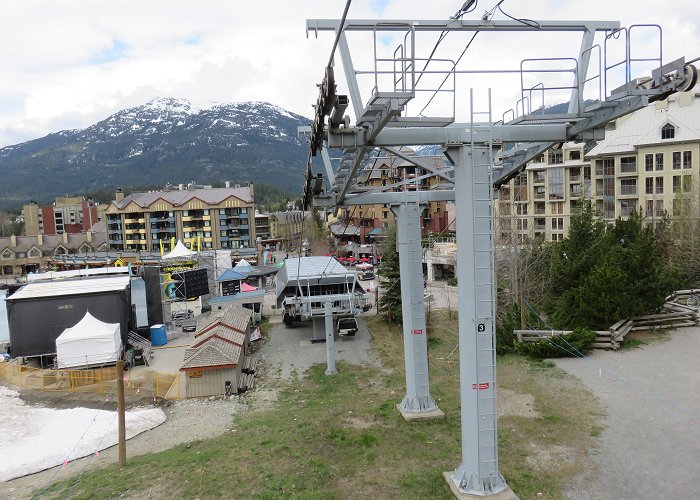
[170,104]
[164,140]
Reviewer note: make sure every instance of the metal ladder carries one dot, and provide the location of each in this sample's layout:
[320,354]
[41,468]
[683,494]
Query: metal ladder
[484,297]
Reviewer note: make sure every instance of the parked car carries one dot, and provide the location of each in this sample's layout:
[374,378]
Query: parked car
[347,327]
[366,275]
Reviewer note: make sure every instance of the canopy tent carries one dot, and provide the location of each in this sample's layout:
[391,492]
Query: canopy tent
[243,266]
[90,342]
[245,287]
[179,252]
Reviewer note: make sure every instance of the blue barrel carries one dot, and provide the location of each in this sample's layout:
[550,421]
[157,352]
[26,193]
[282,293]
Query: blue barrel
[159,335]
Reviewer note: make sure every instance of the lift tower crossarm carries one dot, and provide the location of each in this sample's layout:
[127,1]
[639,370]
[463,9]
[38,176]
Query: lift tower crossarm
[315,25]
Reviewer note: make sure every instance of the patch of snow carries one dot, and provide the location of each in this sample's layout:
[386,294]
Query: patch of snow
[36,438]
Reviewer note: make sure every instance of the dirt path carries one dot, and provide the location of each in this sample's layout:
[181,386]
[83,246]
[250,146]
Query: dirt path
[650,447]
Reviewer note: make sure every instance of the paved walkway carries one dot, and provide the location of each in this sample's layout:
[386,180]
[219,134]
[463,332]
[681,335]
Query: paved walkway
[650,447]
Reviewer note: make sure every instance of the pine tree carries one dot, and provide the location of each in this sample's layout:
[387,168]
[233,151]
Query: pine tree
[605,274]
[390,301]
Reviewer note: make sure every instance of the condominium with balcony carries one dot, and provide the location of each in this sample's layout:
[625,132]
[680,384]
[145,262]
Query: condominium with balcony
[649,161]
[366,223]
[200,216]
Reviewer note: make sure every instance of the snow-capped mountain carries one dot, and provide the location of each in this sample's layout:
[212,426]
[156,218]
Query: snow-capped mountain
[164,140]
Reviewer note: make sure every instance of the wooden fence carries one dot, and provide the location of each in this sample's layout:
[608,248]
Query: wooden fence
[678,315]
[97,380]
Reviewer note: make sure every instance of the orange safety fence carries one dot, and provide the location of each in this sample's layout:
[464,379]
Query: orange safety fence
[95,380]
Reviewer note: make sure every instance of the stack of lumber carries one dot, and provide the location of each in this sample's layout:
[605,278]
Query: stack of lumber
[249,365]
[246,382]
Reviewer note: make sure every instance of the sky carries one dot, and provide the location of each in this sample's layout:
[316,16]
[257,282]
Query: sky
[69,64]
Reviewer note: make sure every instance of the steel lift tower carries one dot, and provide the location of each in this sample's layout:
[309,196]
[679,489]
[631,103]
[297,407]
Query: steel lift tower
[484,154]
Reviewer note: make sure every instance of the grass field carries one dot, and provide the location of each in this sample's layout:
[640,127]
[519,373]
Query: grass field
[340,436]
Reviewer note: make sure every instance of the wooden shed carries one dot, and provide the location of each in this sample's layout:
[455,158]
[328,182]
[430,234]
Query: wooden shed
[217,354]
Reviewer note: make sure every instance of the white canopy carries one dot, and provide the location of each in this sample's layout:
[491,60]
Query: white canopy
[242,263]
[90,342]
[178,252]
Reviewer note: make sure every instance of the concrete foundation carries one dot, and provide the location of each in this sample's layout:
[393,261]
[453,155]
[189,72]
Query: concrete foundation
[506,494]
[418,416]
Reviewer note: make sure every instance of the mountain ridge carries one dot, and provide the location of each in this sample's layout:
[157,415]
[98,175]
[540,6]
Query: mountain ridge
[164,140]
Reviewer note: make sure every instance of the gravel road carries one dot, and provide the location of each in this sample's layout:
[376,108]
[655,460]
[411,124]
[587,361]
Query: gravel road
[289,352]
[650,447]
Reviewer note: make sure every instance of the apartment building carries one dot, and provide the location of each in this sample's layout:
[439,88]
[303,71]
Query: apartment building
[67,214]
[200,216]
[279,230]
[646,160]
[366,223]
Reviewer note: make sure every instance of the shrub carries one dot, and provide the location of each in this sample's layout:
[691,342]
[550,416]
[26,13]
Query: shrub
[452,281]
[570,344]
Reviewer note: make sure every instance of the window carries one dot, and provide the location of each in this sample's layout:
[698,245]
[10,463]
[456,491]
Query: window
[7,254]
[538,176]
[206,211]
[628,186]
[659,208]
[574,155]
[609,187]
[676,183]
[627,206]
[558,224]
[521,208]
[555,156]
[556,183]
[628,164]
[650,208]
[385,214]
[649,185]
[539,192]
[676,160]
[608,166]
[668,131]
[521,224]
[609,209]
[649,162]
[687,159]
[659,161]
[659,185]
[687,183]
[558,208]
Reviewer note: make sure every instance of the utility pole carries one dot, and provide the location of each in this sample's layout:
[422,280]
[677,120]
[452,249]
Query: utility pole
[121,412]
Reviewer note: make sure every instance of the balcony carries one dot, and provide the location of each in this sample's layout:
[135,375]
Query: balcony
[163,219]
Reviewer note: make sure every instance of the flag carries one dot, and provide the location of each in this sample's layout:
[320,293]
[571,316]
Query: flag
[161,247]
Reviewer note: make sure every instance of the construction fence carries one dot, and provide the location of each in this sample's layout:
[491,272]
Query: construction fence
[98,380]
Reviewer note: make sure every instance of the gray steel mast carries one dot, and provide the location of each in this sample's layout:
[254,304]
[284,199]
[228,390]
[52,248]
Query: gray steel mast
[384,122]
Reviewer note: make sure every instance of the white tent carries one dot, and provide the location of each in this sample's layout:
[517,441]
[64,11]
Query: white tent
[242,263]
[180,251]
[91,342]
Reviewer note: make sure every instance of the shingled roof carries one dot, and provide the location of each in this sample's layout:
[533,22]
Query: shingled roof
[179,197]
[234,317]
[222,332]
[213,354]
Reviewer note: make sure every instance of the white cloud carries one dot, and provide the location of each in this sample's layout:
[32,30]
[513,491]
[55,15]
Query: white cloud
[70,64]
